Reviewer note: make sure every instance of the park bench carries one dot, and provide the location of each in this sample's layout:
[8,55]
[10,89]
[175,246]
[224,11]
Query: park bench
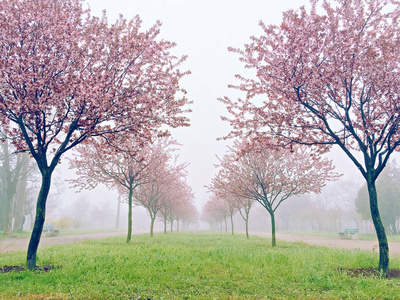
[48,230]
[349,233]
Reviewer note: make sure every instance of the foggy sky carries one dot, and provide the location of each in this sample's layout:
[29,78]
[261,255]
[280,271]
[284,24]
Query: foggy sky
[203,30]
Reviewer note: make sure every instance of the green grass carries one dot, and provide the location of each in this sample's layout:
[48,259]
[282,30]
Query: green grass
[195,266]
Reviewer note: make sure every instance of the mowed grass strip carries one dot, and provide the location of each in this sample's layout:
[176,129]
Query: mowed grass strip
[195,266]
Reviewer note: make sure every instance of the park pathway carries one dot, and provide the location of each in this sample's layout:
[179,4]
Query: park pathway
[394,247]
[14,244]
[21,243]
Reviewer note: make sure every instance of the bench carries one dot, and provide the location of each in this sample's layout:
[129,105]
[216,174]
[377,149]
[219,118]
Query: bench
[49,230]
[349,233]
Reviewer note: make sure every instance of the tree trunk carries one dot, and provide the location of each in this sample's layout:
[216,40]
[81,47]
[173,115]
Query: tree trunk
[165,223]
[177,225]
[226,225]
[39,220]
[379,228]
[11,177]
[128,238]
[172,225]
[9,213]
[118,214]
[21,194]
[273,229]
[232,224]
[247,225]
[152,225]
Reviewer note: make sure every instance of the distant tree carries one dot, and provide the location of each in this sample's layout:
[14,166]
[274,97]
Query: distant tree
[176,203]
[228,205]
[328,76]
[161,187]
[389,200]
[214,212]
[121,167]
[66,76]
[10,174]
[244,207]
[272,176]
[28,173]
[188,214]
[222,186]
[15,171]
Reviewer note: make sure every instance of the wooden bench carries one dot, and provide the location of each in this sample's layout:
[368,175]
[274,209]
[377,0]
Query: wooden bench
[49,230]
[349,233]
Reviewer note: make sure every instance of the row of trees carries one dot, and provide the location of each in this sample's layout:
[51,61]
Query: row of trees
[146,174]
[340,204]
[18,179]
[266,176]
[327,76]
[67,77]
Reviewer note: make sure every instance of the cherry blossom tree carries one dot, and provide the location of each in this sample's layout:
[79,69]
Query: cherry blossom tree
[176,201]
[222,185]
[215,212]
[164,178]
[227,204]
[66,76]
[123,168]
[188,214]
[271,176]
[244,207]
[185,211]
[328,76]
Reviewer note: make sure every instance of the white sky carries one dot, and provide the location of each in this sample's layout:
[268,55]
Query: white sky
[203,30]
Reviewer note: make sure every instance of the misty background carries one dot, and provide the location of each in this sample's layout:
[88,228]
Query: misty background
[204,30]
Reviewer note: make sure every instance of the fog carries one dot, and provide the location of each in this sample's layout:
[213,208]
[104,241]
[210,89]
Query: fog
[203,30]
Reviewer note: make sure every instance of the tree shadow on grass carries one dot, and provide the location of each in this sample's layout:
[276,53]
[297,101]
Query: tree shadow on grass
[368,272]
[7,269]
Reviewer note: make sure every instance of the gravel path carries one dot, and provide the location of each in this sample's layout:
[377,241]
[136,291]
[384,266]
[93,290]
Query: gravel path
[394,247]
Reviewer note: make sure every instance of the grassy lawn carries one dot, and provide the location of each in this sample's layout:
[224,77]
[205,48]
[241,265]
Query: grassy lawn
[195,266]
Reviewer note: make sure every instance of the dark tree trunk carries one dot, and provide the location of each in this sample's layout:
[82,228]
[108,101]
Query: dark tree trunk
[273,229]
[39,220]
[172,225]
[128,238]
[379,228]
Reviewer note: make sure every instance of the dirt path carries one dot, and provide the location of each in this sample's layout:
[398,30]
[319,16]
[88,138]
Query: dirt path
[394,247]
[14,244]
